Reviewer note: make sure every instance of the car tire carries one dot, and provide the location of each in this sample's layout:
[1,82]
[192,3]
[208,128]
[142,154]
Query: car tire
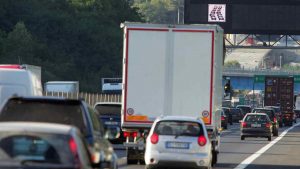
[275,133]
[242,137]
[132,161]
[280,125]
[226,126]
[149,167]
[142,162]
[269,138]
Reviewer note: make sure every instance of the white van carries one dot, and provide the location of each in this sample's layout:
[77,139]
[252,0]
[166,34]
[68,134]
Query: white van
[20,80]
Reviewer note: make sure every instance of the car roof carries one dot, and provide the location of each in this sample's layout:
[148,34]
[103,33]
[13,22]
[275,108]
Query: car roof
[263,109]
[257,114]
[36,127]
[243,106]
[180,118]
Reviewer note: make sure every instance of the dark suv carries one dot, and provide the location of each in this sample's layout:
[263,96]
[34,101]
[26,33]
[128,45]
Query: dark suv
[63,111]
[273,117]
[278,113]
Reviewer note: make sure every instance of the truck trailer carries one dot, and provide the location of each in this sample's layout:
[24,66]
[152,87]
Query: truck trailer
[170,70]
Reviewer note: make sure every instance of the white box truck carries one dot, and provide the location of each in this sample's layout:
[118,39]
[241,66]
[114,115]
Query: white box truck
[170,70]
[62,86]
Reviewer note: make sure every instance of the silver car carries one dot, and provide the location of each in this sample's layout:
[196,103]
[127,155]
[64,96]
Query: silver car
[41,145]
[178,141]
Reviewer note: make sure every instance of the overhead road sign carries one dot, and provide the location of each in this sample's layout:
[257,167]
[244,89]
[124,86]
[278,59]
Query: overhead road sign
[246,16]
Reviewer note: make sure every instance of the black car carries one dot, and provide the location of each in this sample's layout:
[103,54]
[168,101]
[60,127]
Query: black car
[256,125]
[226,110]
[63,111]
[245,108]
[278,114]
[224,120]
[273,117]
[236,114]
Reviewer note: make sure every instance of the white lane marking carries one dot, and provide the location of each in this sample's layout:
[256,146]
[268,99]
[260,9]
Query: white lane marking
[250,159]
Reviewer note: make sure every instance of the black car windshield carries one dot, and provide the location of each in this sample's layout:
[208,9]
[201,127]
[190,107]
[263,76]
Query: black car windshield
[69,113]
[179,128]
[35,147]
[256,118]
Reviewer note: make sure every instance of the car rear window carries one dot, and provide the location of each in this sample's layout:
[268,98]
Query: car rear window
[256,118]
[36,147]
[179,128]
[108,109]
[268,112]
[69,113]
[245,109]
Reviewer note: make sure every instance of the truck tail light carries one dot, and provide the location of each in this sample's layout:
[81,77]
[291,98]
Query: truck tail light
[274,119]
[134,134]
[202,140]
[154,138]
[268,125]
[126,134]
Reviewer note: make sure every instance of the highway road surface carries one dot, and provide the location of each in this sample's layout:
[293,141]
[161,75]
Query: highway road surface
[282,152]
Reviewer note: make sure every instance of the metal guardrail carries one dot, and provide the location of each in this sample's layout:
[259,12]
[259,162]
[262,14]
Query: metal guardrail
[89,98]
[227,71]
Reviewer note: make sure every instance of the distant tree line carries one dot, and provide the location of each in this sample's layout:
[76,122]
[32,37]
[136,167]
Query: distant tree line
[70,39]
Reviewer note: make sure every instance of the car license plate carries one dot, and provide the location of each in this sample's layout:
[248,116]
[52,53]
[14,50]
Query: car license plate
[255,125]
[111,123]
[179,145]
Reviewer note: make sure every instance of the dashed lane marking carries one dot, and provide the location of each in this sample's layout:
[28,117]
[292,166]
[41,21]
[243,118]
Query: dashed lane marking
[254,156]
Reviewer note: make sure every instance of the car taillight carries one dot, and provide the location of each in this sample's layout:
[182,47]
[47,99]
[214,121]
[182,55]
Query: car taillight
[244,124]
[222,118]
[73,146]
[154,138]
[274,119]
[202,141]
[268,125]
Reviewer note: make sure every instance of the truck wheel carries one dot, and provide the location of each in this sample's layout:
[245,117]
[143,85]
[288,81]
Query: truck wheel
[269,138]
[280,124]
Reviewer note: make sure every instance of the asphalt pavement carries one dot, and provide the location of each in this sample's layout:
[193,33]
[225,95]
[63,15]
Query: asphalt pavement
[252,153]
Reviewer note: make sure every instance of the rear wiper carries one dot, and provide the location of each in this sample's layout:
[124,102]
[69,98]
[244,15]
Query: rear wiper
[177,135]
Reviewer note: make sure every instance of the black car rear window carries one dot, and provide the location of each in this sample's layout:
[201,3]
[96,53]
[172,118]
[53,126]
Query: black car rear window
[69,113]
[108,109]
[245,109]
[179,128]
[268,112]
[36,147]
[256,118]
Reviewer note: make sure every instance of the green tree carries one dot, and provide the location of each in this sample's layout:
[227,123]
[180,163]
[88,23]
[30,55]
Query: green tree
[232,64]
[19,46]
[158,11]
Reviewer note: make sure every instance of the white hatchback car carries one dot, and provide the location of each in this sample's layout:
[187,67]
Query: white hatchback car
[178,141]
